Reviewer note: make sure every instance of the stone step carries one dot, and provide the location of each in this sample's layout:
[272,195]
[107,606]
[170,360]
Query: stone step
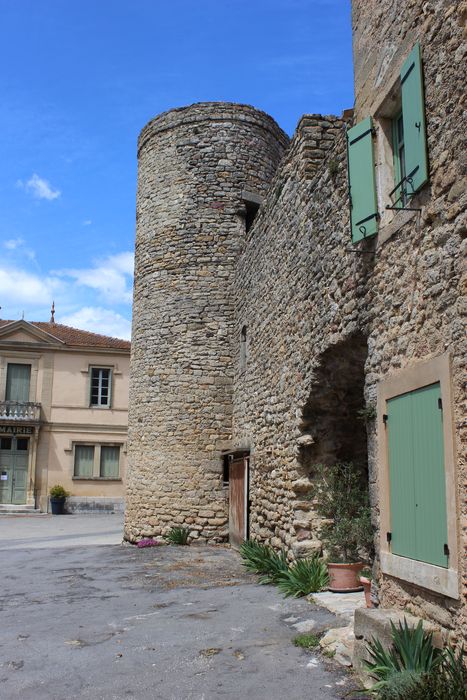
[10,509]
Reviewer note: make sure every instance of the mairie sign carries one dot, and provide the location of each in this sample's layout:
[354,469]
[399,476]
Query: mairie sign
[16,430]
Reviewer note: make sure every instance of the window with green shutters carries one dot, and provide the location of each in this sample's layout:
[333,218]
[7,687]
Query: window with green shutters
[404,109]
[414,423]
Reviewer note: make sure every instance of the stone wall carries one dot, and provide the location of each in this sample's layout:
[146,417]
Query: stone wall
[311,301]
[325,321]
[417,287]
[194,165]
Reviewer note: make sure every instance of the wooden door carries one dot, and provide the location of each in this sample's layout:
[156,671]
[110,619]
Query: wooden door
[238,500]
[14,455]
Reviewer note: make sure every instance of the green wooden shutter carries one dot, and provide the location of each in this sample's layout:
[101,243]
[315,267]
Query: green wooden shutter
[362,187]
[401,476]
[417,477]
[413,117]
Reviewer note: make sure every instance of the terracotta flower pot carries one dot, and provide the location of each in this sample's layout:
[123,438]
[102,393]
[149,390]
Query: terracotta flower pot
[366,583]
[343,578]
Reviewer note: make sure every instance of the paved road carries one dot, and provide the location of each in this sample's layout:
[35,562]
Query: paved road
[110,621]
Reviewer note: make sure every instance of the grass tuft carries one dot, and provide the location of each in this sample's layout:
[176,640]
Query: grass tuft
[177,535]
[306,641]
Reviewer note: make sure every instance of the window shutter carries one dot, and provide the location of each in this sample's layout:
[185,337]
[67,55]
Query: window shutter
[417,476]
[362,187]
[413,117]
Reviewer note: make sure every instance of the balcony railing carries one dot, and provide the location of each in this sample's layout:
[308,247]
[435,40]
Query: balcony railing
[20,411]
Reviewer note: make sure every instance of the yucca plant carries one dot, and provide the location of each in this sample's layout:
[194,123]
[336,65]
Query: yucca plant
[303,577]
[447,682]
[412,654]
[262,559]
[177,535]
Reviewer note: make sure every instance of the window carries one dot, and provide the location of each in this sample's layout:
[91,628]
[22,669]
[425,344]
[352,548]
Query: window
[96,461]
[243,349]
[84,461]
[402,168]
[18,380]
[109,462]
[399,159]
[101,379]
[416,474]
[416,460]
[252,202]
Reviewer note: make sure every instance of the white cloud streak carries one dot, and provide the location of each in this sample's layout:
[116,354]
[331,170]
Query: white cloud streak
[99,320]
[39,188]
[111,278]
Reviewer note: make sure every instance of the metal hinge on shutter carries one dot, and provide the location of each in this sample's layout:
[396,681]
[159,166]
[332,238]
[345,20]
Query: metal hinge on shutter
[440,404]
[389,536]
[385,418]
[446,550]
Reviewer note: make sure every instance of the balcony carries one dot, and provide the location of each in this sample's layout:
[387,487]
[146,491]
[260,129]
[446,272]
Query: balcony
[20,411]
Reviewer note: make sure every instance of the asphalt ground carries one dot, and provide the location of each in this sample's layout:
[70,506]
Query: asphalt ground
[83,616]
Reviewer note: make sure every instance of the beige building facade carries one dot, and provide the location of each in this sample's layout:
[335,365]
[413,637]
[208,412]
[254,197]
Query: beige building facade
[63,416]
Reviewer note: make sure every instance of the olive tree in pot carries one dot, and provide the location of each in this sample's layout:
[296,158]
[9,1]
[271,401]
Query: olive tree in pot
[340,496]
[57,499]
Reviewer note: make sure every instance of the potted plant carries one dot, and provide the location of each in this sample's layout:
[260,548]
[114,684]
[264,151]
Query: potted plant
[341,499]
[57,499]
[365,579]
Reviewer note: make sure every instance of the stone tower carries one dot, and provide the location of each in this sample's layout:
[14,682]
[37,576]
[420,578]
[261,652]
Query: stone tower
[196,166]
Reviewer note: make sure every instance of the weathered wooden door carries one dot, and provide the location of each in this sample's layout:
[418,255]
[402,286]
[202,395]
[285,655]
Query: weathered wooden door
[13,470]
[238,500]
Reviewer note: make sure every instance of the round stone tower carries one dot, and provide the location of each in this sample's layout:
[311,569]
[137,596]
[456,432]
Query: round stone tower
[195,166]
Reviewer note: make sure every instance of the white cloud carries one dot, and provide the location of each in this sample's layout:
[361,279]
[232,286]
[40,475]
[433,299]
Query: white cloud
[112,277]
[87,222]
[13,243]
[99,320]
[18,244]
[21,287]
[39,188]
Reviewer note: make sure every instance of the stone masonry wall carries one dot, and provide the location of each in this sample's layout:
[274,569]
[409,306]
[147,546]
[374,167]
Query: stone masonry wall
[415,303]
[311,300]
[194,164]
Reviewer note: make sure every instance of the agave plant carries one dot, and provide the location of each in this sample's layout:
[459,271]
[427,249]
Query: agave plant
[412,654]
[177,535]
[303,577]
[447,682]
[262,559]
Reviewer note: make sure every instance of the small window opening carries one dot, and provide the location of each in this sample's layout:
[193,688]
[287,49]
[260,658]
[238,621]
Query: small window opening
[252,202]
[225,470]
[251,211]
[243,349]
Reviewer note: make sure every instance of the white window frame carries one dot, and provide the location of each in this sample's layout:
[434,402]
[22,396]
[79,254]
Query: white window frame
[96,470]
[99,404]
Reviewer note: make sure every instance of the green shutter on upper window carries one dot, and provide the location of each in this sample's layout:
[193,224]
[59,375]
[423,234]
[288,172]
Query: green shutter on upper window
[413,117]
[362,187]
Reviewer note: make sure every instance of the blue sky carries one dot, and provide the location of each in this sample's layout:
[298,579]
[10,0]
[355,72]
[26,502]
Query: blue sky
[80,79]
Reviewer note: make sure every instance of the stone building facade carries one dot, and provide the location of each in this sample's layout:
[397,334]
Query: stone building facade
[265,342]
